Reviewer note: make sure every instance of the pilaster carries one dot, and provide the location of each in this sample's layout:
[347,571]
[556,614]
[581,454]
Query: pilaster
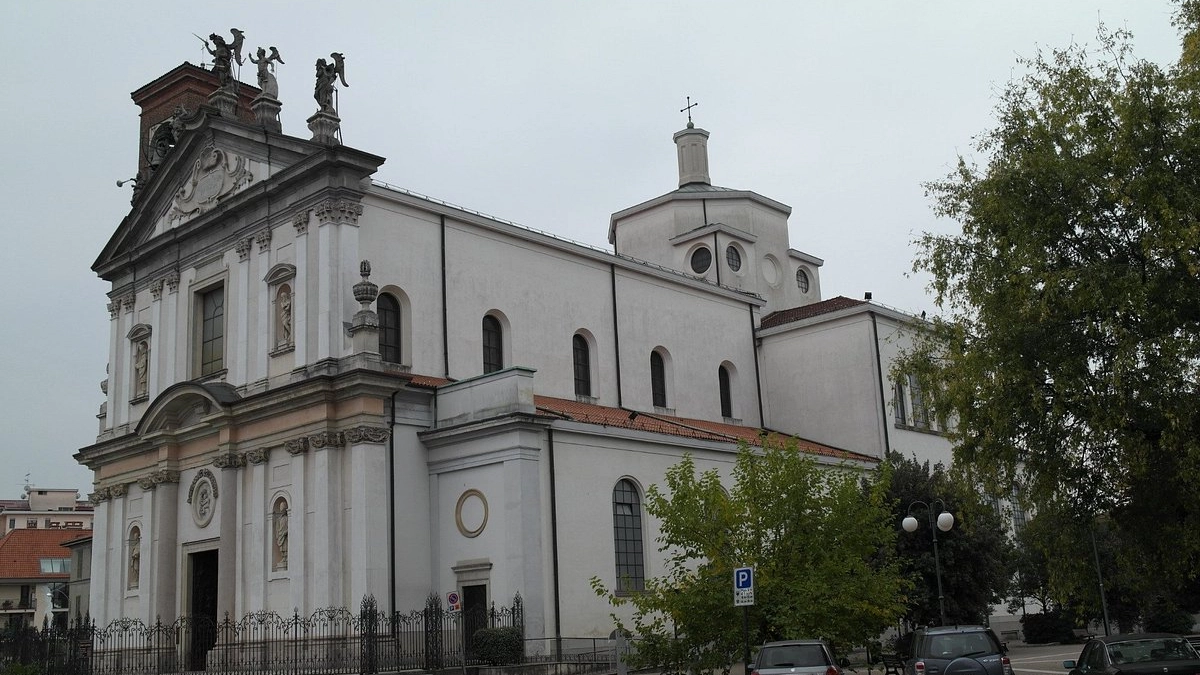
[301,299]
[367,520]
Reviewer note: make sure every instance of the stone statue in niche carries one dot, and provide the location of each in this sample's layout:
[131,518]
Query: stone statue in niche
[281,534]
[135,557]
[283,318]
[141,368]
[266,75]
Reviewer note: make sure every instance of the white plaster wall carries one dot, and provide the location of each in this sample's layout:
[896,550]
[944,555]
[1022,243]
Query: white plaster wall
[820,382]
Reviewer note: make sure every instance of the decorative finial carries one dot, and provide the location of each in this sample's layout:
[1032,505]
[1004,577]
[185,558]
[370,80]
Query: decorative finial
[688,110]
[365,292]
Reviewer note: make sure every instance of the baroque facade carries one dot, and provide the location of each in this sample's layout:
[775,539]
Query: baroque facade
[322,386]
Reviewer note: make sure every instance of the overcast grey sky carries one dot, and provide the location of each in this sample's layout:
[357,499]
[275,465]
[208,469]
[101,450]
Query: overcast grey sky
[550,114]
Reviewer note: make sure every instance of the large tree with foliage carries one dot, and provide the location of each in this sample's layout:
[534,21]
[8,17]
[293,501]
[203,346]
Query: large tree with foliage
[1068,356]
[820,539]
[974,553]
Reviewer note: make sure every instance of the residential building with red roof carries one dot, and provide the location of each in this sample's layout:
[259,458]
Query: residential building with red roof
[322,386]
[34,571]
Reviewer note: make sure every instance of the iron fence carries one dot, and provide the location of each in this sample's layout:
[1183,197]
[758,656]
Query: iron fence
[328,641]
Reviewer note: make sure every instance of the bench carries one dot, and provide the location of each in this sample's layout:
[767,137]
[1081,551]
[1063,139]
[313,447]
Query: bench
[893,664]
[1082,634]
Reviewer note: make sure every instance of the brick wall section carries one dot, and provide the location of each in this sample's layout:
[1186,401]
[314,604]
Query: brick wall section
[186,85]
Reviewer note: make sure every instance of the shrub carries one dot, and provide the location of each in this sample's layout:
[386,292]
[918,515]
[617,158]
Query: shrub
[1166,619]
[1047,627]
[499,646]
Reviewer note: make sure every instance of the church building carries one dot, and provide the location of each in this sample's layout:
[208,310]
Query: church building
[322,386]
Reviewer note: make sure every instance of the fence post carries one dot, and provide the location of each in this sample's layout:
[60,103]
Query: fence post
[433,632]
[369,634]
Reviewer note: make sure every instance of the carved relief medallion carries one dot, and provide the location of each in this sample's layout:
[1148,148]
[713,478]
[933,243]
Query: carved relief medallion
[203,497]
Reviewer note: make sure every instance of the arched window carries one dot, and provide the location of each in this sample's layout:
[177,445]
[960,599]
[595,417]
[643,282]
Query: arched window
[658,380]
[389,328]
[279,533]
[581,356]
[627,537]
[493,345]
[726,394]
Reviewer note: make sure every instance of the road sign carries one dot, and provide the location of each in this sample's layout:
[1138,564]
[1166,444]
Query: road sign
[453,602]
[743,587]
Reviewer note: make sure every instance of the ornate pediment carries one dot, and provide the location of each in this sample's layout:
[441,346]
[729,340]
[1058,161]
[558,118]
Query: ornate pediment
[214,175]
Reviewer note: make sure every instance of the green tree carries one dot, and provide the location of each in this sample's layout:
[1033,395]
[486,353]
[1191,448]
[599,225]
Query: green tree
[820,539]
[974,553]
[1068,356]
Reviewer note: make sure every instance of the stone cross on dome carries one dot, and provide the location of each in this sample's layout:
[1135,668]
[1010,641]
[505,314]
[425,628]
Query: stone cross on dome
[688,110]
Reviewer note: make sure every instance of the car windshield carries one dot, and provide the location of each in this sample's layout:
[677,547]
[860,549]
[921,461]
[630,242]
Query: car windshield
[1151,649]
[954,645]
[792,656]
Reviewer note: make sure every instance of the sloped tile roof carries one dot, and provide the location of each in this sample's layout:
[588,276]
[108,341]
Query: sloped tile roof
[705,430]
[21,552]
[805,311]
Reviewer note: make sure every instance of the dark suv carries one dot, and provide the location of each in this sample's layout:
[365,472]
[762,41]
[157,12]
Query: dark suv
[954,650]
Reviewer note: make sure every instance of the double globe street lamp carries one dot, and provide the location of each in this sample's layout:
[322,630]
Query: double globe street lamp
[945,521]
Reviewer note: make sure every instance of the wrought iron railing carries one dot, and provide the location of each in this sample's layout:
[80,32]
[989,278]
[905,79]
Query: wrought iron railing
[328,641]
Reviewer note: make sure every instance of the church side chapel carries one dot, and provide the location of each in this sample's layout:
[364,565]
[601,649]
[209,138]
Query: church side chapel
[322,387]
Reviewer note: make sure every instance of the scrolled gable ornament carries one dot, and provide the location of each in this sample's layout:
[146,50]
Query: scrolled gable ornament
[215,174]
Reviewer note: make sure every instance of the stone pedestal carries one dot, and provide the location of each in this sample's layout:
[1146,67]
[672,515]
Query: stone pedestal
[225,102]
[266,111]
[364,332]
[325,127]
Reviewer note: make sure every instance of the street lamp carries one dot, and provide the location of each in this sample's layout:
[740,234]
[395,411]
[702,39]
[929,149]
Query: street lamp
[945,521]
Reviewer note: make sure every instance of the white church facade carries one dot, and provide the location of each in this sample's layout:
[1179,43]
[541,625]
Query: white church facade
[479,407]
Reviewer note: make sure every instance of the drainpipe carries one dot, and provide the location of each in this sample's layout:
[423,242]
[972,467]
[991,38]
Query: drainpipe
[445,334]
[616,333]
[762,420]
[887,442]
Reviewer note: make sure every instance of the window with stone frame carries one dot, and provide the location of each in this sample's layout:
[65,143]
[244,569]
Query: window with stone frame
[723,383]
[493,344]
[658,380]
[211,330]
[582,360]
[389,328]
[627,538]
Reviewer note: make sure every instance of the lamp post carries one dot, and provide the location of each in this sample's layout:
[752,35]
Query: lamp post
[945,521]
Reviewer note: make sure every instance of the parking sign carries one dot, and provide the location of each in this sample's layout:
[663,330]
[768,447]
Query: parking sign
[743,587]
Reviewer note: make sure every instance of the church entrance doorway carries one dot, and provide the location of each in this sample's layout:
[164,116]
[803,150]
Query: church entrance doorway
[202,573]
[474,615]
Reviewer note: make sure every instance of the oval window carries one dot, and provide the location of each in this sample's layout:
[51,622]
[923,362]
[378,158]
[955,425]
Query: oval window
[733,258]
[802,281]
[701,260]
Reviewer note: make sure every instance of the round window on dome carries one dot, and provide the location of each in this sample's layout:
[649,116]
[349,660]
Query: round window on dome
[733,258]
[701,260]
[802,280]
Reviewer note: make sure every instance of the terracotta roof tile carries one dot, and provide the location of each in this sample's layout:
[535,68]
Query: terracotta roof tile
[21,552]
[805,311]
[679,426]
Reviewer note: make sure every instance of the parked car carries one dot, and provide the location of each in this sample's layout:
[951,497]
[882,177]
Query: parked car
[1136,654]
[954,650]
[796,657]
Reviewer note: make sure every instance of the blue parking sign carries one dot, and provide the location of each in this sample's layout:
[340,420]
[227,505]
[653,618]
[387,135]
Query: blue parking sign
[743,577]
[743,587]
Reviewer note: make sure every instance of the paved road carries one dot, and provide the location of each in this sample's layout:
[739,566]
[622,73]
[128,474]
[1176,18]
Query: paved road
[1041,659]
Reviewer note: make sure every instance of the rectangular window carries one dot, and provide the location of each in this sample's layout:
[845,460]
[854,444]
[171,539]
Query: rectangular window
[212,331]
[920,414]
[56,565]
[31,523]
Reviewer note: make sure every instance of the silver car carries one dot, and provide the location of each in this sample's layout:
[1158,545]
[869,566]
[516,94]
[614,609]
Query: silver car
[796,657]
